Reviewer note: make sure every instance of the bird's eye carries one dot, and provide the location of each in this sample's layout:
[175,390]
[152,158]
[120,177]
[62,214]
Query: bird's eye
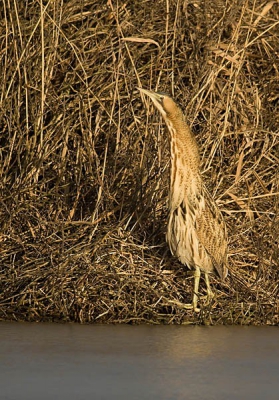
[162,98]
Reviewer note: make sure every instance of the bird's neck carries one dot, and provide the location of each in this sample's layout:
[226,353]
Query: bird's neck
[184,147]
[185,176]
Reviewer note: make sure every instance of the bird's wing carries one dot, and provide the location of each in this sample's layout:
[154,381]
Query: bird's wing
[211,232]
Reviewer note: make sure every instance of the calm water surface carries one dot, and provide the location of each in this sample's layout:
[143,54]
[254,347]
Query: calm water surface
[52,361]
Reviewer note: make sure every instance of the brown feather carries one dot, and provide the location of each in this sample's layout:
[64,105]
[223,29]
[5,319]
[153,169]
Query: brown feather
[196,231]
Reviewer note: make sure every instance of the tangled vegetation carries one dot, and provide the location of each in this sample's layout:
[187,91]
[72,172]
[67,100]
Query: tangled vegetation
[84,159]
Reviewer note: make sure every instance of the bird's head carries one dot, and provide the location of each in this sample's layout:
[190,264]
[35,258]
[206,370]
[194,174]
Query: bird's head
[163,102]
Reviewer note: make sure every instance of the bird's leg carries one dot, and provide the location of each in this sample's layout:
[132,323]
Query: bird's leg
[210,294]
[197,276]
[193,305]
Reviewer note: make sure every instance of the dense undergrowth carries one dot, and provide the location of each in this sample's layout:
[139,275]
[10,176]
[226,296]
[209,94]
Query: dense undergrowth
[84,159]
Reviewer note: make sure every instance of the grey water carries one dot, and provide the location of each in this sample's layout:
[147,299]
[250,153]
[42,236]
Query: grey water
[70,361]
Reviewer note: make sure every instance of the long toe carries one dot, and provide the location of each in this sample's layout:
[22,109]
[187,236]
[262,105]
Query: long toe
[191,306]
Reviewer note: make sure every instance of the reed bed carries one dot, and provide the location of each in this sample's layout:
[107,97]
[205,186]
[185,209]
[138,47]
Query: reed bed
[84,159]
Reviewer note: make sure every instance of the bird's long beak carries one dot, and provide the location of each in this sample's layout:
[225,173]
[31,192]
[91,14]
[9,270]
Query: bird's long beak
[155,97]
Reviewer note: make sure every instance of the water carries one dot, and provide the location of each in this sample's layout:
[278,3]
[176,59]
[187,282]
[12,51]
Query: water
[52,361]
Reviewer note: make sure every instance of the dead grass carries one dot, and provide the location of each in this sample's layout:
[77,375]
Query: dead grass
[84,163]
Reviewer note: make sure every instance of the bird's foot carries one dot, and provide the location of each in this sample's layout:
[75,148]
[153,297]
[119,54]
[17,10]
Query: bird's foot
[191,306]
[187,306]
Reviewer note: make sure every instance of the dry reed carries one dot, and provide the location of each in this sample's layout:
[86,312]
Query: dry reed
[84,163]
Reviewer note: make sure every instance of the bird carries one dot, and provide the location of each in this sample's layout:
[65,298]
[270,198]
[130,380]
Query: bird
[196,230]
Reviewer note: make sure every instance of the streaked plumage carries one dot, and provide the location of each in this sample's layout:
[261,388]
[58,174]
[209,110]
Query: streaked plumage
[196,232]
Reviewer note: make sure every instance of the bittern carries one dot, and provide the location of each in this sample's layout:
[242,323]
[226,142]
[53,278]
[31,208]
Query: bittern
[196,231]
